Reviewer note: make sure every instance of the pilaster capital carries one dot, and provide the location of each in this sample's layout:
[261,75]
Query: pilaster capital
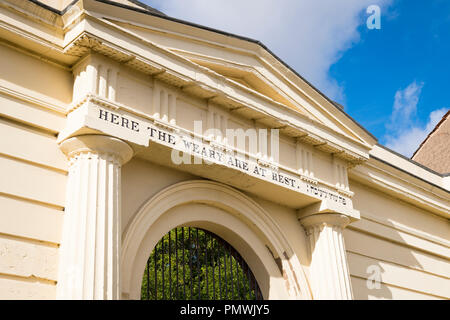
[325,219]
[328,213]
[97,144]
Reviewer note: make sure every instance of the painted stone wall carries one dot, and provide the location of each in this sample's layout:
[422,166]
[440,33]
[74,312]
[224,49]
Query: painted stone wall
[402,246]
[34,173]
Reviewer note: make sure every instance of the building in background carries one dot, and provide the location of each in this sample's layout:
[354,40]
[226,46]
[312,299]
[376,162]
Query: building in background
[434,151]
[129,137]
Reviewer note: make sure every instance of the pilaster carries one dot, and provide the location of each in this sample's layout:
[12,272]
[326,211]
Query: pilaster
[90,247]
[324,224]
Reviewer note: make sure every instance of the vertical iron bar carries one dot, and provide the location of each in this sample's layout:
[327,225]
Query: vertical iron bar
[176,258]
[259,293]
[190,262]
[148,279]
[238,268]
[213,267]
[206,264]
[163,267]
[220,273]
[249,283]
[225,269]
[198,266]
[233,283]
[257,290]
[242,280]
[184,270]
[155,257]
[253,286]
[170,266]
[231,271]
[237,276]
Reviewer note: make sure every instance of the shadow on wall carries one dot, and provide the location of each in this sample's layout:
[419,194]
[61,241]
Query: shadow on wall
[381,261]
[371,287]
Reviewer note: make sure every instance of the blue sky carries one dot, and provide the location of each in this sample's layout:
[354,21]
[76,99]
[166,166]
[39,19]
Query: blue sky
[395,81]
[411,50]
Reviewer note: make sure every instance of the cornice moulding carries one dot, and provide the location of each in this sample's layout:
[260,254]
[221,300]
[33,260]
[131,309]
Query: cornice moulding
[437,204]
[60,109]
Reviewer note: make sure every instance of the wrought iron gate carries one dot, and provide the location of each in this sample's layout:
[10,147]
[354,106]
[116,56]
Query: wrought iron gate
[191,263]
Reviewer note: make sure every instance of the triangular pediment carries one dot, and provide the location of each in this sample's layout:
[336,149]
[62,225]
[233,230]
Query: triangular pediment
[246,64]
[252,80]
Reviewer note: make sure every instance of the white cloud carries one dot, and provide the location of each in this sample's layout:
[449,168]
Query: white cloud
[405,106]
[404,133]
[309,35]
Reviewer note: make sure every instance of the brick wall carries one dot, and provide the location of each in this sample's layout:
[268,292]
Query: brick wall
[435,151]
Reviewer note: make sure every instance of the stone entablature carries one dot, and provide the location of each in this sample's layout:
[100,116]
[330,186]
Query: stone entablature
[101,116]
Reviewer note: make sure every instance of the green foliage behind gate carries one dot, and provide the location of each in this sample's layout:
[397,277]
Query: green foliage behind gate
[192,263]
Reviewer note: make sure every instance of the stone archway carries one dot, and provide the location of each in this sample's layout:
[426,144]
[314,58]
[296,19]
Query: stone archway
[226,212]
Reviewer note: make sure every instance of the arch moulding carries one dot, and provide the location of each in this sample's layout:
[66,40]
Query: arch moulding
[225,211]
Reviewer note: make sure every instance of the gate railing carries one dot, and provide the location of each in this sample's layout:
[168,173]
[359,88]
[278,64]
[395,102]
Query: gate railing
[191,263]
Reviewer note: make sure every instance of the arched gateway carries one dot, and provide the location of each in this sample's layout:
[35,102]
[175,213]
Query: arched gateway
[225,213]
